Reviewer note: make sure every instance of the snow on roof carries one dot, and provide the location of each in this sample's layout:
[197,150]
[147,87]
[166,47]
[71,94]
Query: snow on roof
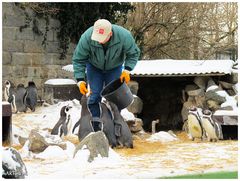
[183,67]
[60,82]
[167,67]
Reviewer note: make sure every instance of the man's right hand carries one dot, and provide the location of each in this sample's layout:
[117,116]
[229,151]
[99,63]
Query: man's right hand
[82,87]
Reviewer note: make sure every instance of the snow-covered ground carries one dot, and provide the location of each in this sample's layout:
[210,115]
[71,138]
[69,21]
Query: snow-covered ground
[153,156]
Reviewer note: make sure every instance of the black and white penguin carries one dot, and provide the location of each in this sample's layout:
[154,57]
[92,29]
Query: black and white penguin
[31,96]
[20,98]
[121,129]
[10,93]
[84,125]
[194,124]
[64,123]
[213,129]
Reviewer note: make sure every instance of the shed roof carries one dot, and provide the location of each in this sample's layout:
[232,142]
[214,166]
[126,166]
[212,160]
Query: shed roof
[166,68]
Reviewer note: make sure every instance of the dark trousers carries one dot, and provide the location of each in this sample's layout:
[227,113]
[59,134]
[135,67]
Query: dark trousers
[97,79]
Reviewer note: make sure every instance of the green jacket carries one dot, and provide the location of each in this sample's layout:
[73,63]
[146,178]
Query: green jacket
[121,49]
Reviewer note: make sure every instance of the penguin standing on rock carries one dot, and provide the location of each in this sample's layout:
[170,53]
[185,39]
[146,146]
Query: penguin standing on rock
[31,96]
[64,123]
[194,124]
[212,128]
[10,93]
[20,98]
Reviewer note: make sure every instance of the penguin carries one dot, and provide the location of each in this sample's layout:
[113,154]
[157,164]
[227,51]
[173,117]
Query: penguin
[108,124]
[212,128]
[31,96]
[121,129]
[194,124]
[10,93]
[64,123]
[83,123]
[85,126]
[19,98]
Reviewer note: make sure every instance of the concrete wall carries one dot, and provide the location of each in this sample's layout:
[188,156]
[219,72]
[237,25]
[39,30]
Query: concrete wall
[23,56]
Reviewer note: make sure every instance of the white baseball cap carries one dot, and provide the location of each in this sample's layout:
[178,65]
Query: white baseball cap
[101,30]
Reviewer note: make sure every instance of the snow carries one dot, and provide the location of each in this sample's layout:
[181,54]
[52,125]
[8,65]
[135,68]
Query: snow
[171,157]
[5,103]
[7,157]
[127,115]
[53,152]
[162,136]
[226,112]
[173,67]
[230,100]
[60,82]
[213,87]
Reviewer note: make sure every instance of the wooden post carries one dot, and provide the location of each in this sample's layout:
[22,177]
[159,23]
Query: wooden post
[154,125]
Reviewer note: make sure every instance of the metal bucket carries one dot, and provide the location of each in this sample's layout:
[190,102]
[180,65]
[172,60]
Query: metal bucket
[119,93]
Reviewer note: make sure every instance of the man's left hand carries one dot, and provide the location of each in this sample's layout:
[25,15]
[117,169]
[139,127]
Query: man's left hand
[125,76]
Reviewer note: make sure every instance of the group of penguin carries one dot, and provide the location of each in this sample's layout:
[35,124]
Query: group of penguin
[115,128]
[202,125]
[21,98]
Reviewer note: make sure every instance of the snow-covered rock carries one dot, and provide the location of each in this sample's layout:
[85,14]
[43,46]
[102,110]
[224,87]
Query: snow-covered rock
[96,143]
[39,141]
[162,136]
[12,164]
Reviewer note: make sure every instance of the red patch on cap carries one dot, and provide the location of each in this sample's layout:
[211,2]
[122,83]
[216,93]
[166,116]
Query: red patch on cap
[101,31]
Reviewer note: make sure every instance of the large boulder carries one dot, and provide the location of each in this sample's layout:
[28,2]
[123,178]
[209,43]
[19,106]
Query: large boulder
[96,143]
[12,164]
[133,86]
[214,96]
[185,109]
[135,125]
[39,141]
[136,106]
[201,82]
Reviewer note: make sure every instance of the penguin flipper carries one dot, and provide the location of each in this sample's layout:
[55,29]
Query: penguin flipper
[10,99]
[117,130]
[76,125]
[56,128]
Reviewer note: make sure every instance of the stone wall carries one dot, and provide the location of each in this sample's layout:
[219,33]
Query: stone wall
[23,56]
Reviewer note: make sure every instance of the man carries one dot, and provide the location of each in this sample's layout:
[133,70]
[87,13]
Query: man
[101,51]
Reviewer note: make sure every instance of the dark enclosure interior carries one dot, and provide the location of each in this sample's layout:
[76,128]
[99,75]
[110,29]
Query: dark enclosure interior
[162,99]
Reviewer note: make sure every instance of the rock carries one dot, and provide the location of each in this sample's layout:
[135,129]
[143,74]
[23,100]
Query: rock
[212,95]
[213,105]
[22,140]
[190,87]
[201,82]
[135,125]
[133,86]
[185,108]
[196,92]
[12,164]
[39,141]
[200,101]
[96,143]
[211,85]
[225,85]
[234,77]
[230,108]
[136,106]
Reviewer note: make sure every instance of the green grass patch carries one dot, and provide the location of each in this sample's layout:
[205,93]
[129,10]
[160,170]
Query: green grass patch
[214,175]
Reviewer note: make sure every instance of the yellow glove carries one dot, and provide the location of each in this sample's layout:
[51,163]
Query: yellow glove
[82,87]
[125,76]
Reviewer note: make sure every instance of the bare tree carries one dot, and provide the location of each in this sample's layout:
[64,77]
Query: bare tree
[184,30]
